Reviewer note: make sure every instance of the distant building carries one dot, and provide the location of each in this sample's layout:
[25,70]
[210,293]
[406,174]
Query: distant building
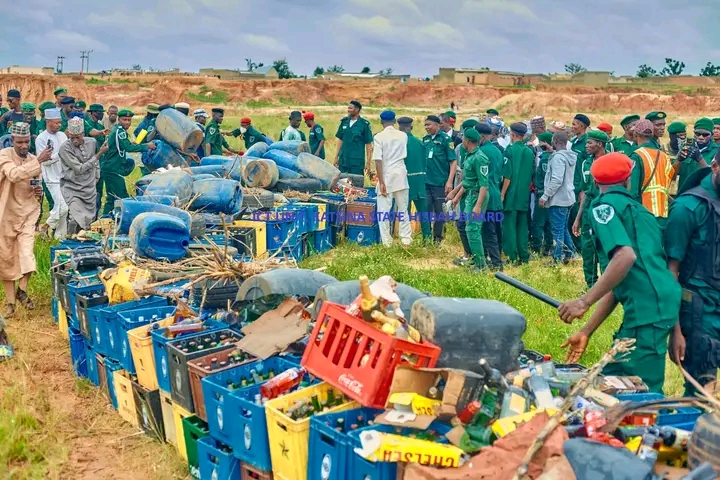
[487,77]
[268,72]
[362,76]
[18,70]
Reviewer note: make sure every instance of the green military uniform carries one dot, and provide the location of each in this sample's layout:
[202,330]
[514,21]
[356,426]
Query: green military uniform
[649,294]
[91,125]
[63,121]
[518,168]
[3,111]
[492,231]
[215,139]
[439,155]
[251,136]
[354,137]
[34,132]
[578,146]
[688,239]
[415,165]
[317,135]
[654,116]
[541,233]
[690,166]
[476,171]
[116,164]
[622,145]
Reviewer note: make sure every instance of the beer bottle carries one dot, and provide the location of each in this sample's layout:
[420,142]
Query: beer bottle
[243,382]
[369,302]
[340,425]
[214,363]
[331,398]
[360,421]
[433,393]
[493,377]
[316,404]
[353,426]
[256,377]
[272,373]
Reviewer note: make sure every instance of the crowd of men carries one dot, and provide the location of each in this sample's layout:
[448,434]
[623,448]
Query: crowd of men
[643,214]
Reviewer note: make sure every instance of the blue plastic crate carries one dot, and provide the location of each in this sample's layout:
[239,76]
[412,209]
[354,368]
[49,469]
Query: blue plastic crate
[77,353]
[229,425]
[322,242]
[329,449]
[278,231]
[296,252]
[54,308]
[111,366]
[364,235]
[361,469]
[214,463]
[92,367]
[134,318]
[107,342]
[312,216]
[73,290]
[685,416]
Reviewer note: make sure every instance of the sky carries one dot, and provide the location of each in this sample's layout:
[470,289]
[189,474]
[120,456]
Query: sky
[413,37]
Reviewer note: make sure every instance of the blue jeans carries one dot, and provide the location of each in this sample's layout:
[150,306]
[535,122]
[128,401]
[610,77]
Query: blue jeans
[564,248]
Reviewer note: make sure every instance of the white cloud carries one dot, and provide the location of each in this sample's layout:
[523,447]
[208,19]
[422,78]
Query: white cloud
[138,20]
[266,43]
[383,6]
[69,40]
[510,7]
[381,28]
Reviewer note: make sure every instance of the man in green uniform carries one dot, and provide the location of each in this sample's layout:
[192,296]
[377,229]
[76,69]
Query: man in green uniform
[250,134]
[215,143]
[475,182]
[625,143]
[716,130]
[637,277]
[459,194]
[658,121]
[441,163]
[415,166]
[492,226]
[697,155]
[28,110]
[67,105]
[517,173]
[542,238]
[694,258]
[116,164]
[44,106]
[316,135]
[595,147]
[59,93]
[580,124]
[93,124]
[355,142]
[80,106]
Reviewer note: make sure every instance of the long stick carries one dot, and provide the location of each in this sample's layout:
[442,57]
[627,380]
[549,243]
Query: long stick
[619,347]
[528,289]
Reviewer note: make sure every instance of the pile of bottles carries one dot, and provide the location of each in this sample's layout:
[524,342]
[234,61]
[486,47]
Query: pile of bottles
[208,342]
[254,378]
[306,408]
[342,427]
[235,357]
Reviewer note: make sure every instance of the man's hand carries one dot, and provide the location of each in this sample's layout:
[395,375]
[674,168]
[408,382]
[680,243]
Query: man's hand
[578,343]
[573,309]
[542,202]
[576,226]
[151,146]
[682,154]
[383,188]
[106,132]
[477,211]
[448,187]
[677,347]
[337,160]
[45,155]
[104,148]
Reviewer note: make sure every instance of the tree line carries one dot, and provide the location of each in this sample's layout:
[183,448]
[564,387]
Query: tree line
[283,69]
[672,67]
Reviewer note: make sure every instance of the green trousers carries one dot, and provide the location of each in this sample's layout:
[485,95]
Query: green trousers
[589,253]
[422,213]
[114,189]
[515,235]
[571,219]
[541,233]
[473,230]
[46,192]
[647,360]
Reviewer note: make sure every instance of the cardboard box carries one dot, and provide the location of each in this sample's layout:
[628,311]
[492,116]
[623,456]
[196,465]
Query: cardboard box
[409,406]
[275,330]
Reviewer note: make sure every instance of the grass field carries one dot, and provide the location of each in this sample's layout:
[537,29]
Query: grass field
[55,426]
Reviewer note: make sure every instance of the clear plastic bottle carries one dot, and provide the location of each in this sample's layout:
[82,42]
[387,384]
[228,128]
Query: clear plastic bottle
[540,389]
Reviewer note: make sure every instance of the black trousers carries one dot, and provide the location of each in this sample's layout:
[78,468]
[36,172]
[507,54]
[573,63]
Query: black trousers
[492,239]
[435,198]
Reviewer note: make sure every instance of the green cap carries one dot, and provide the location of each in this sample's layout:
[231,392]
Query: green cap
[96,107]
[45,105]
[27,107]
[652,116]
[492,111]
[80,104]
[704,124]
[677,127]
[716,121]
[152,108]
[598,135]
[469,123]
[451,114]
[472,135]
[125,113]
[545,137]
[60,90]
[629,119]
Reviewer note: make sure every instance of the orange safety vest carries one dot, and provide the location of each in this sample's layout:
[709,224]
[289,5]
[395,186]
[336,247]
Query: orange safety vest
[655,188]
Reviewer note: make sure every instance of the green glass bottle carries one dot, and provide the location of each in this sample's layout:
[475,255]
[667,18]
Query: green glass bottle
[331,398]
[316,404]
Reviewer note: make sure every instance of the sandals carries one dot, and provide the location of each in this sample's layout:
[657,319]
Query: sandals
[23,298]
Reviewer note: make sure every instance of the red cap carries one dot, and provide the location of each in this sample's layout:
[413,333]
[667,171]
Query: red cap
[611,168]
[451,121]
[245,120]
[308,116]
[605,127]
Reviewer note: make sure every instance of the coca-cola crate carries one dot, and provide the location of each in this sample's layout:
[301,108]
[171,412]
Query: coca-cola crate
[357,358]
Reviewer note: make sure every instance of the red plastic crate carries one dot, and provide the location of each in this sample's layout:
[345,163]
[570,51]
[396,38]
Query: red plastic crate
[335,355]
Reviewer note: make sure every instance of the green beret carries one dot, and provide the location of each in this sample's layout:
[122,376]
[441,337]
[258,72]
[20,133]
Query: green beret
[545,137]
[716,121]
[652,116]
[125,113]
[677,127]
[96,107]
[704,124]
[492,111]
[598,135]
[80,104]
[45,105]
[629,119]
[27,107]
[469,123]
[60,90]
[472,135]
[451,114]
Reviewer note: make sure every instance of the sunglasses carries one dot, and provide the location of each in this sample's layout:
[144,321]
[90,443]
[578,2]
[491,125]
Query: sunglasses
[702,134]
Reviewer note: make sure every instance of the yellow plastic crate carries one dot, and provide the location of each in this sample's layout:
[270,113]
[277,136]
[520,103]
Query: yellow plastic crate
[168,418]
[289,438]
[143,354]
[178,414]
[63,323]
[125,398]
[260,235]
[322,214]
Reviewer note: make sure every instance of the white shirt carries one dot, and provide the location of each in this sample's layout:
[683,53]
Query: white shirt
[291,134]
[390,147]
[52,169]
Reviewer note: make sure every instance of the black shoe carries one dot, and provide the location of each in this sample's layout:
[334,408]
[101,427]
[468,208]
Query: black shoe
[463,261]
[23,298]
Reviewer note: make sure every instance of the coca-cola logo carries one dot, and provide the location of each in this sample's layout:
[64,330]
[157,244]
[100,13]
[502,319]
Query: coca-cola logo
[349,382]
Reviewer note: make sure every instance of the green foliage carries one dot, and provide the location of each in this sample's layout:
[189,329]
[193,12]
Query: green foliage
[336,69]
[283,69]
[318,71]
[209,96]
[251,66]
[573,68]
[365,70]
[96,81]
[386,72]
[672,67]
[710,70]
[645,71]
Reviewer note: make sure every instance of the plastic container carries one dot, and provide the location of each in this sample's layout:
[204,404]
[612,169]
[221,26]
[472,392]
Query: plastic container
[84,302]
[194,429]
[291,146]
[163,156]
[179,130]
[363,367]
[215,461]
[179,414]
[169,200]
[363,235]
[159,236]
[149,411]
[104,319]
[131,319]
[127,209]
[260,173]
[142,352]
[125,397]
[93,375]
[214,160]
[142,183]
[287,173]
[257,150]
[315,167]
[282,159]
[260,235]
[175,183]
[361,212]
[666,418]
[77,353]
[216,170]
[288,438]
[168,418]
[80,288]
[111,366]
[321,242]
[217,195]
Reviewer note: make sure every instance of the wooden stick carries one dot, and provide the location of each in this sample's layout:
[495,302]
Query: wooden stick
[622,346]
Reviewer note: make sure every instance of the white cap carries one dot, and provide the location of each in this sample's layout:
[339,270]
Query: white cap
[52,114]
[200,113]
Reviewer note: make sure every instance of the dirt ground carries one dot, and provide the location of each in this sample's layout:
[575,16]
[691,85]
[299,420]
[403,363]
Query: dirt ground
[139,91]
